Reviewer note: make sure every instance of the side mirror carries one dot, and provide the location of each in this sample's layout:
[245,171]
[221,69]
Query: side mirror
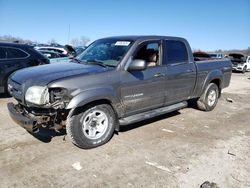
[137,65]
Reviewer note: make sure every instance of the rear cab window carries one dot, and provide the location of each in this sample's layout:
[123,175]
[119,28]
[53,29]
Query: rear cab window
[175,52]
[3,53]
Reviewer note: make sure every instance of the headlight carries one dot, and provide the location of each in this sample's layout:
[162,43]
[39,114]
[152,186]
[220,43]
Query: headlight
[37,95]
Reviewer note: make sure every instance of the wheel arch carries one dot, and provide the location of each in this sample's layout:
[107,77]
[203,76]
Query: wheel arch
[90,98]
[215,77]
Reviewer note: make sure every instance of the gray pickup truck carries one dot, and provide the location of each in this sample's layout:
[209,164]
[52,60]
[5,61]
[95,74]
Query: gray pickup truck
[116,81]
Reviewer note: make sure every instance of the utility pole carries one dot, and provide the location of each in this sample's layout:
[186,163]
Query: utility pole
[69,34]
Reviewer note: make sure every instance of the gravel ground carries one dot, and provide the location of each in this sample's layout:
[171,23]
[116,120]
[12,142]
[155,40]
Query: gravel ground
[180,149]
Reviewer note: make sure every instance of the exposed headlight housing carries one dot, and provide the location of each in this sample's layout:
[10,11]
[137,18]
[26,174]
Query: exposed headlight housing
[37,95]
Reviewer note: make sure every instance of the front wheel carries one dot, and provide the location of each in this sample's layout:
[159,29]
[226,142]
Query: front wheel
[92,127]
[6,91]
[209,98]
[244,70]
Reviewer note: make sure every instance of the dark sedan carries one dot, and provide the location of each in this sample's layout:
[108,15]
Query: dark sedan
[14,56]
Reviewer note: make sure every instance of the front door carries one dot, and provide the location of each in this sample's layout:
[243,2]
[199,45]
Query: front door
[144,90]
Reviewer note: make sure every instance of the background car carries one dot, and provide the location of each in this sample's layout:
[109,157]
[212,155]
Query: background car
[240,62]
[80,49]
[216,55]
[55,57]
[14,56]
[199,55]
[248,59]
[54,49]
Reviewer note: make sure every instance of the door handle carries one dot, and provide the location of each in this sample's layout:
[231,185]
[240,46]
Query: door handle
[159,75]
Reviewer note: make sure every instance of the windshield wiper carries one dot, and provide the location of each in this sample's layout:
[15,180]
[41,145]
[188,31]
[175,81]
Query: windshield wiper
[95,62]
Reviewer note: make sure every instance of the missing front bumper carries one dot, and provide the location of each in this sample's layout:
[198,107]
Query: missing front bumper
[26,122]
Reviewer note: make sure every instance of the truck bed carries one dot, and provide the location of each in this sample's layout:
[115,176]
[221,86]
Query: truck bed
[209,68]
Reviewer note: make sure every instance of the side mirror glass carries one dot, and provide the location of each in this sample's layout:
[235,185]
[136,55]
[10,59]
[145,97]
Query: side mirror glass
[137,64]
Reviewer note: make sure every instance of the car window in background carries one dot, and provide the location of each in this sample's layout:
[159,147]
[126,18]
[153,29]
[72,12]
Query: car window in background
[79,50]
[153,46]
[2,53]
[248,59]
[50,55]
[213,55]
[176,52]
[62,55]
[59,51]
[53,55]
[15,53]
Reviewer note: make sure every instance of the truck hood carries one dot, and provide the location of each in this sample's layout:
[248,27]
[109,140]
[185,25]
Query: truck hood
[44,74]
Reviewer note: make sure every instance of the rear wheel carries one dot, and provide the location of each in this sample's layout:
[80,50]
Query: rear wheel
[92,127]
[209,98]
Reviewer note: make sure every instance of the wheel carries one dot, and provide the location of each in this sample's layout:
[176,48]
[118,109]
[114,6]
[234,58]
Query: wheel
[209,98]
[244,69]
[92,127]
[6,91]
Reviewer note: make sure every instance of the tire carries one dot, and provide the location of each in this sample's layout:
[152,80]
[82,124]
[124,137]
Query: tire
[6,92]
[92,127]
[244,70]
[209,98]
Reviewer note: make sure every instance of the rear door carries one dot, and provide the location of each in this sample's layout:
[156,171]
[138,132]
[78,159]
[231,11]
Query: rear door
[3,55]
[144,90]
[13,59]
[180,73]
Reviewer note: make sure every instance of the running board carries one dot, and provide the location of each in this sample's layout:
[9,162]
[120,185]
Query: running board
[152,113]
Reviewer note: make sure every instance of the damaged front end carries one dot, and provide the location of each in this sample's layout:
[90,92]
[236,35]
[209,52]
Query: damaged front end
[47,110]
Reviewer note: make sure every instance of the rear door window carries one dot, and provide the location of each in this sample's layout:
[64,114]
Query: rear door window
[3,53]
[13,53]
[175,52]
[53,55]
[56,50]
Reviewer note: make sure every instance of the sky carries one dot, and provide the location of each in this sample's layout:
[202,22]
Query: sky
[207,24]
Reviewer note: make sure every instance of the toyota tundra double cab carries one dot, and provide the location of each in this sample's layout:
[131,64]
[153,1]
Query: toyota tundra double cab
[116,81]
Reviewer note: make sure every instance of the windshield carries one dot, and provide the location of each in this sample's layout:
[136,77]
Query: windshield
[79,50]
[237,58]
[108,52]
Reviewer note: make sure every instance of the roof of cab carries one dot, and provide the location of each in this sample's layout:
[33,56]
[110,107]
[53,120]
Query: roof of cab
[143,37]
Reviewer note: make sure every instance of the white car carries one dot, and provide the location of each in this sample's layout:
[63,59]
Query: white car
[216,55]
[54,49]
[55,57]
[240,62]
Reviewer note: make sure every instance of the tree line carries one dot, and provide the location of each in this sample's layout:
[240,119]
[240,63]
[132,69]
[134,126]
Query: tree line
[81,41]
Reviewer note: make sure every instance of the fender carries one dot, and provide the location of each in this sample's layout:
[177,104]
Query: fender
[95,94]
[215,74]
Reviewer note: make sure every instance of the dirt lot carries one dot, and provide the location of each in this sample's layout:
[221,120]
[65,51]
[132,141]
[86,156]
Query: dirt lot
[181,149]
